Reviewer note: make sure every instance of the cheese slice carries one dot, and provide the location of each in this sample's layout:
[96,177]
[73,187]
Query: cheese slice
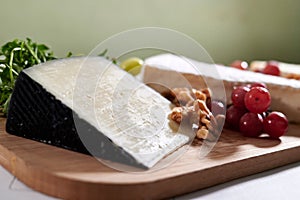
[168,70]
[90,105]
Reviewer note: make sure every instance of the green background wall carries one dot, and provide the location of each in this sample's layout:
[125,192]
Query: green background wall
[227,29]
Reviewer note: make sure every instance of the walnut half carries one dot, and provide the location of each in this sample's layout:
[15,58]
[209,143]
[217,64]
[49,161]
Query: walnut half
[192,104]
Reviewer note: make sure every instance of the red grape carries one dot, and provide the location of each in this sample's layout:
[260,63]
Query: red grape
[272,68]
[258,85]
[264,114]
[217,107]
[275,124]
[251,124]
[249,115]
[233,116]
[238,95]
[238,64]
[257,100]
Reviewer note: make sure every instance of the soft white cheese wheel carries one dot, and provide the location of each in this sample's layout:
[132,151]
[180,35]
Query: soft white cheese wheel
[167,68]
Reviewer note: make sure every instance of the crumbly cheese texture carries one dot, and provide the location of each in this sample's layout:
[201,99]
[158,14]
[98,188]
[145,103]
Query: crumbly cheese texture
[132,115]
[176,71]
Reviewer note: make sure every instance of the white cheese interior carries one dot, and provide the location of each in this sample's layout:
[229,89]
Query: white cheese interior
[131,114]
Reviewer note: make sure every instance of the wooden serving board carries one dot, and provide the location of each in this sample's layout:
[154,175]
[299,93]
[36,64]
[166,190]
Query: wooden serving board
[69,175]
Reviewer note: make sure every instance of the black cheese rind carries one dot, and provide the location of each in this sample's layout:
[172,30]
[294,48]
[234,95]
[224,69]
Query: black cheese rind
[36,114]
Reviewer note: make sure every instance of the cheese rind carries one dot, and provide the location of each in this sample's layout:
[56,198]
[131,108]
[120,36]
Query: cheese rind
[175,71]
[115,116]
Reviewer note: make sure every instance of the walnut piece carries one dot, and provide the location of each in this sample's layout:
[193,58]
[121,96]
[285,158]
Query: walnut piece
[176,114]
[202,133]
[199,95]
[192,105]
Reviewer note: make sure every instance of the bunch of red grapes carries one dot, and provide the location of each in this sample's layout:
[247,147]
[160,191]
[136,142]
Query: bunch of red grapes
[250,115]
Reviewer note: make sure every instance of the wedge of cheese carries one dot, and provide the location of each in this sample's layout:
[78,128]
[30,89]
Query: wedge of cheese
[89,105]
[168,70]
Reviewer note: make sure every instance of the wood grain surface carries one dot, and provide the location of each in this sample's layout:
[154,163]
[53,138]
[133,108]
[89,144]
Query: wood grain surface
[70,175]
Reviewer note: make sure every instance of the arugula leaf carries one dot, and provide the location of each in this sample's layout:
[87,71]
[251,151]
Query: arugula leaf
[103,53]
[18,55]
[14,57]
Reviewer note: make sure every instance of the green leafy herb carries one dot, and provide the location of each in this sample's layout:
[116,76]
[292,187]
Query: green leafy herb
[69,54]
[18,55]
[104,54]
[14,57]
